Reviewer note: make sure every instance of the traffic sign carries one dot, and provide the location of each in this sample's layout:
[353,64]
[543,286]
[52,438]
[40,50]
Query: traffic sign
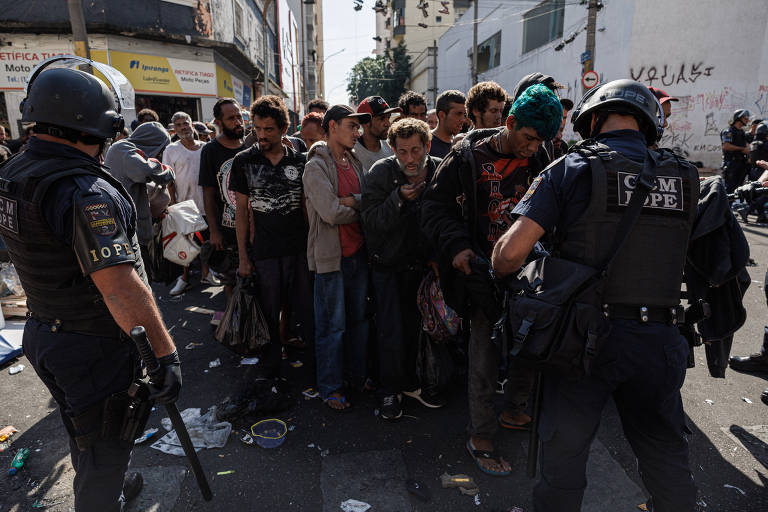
[589,79]
[585,56]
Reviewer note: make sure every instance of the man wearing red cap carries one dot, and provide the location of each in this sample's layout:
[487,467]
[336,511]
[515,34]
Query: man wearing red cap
[371,147]
[665,100]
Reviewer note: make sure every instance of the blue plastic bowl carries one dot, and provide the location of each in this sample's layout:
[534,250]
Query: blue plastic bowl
[269,433]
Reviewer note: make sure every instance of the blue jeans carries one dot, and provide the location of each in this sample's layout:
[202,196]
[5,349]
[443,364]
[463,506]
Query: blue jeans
[341,327]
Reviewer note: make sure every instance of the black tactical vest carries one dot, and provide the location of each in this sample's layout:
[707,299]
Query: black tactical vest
[49,271]
[648,270]
[758,150]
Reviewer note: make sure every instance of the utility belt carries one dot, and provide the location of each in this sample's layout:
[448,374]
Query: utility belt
[666,315]
[738,157]
[121,417]
[103,327]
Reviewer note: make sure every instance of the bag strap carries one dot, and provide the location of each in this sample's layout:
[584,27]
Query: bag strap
[644,183]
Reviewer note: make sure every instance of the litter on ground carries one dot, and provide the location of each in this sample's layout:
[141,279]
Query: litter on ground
[354,506]
[215,363]
[203,430]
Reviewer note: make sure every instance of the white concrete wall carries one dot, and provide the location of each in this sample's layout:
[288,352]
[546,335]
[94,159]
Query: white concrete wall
[454,56]
[713,56]
[722,51]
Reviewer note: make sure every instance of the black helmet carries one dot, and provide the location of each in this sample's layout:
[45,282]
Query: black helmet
[73,99]
[739,114]
[625,97]
[761,131]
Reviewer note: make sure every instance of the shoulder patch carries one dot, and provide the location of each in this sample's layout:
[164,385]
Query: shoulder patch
[532,188]
[100,218]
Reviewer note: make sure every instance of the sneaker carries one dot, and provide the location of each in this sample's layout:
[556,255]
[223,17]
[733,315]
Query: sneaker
[211,279]
[433,401]
[132,484]
[390,407]
[179,287]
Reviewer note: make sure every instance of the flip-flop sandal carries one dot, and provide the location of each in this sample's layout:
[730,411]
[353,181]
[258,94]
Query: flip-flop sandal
[514,426]
[342,400]
[484,454]
[295,343]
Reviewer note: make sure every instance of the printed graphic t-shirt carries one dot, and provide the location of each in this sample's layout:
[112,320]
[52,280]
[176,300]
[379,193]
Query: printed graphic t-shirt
[274,195]
[215,167]
[502,182]
[351,235]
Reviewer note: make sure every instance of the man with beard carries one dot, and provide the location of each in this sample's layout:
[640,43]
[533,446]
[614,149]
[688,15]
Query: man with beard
[398,252]
[266,180]
[183,156]
[371,147]
[451,114]
[215,166]
[466,208]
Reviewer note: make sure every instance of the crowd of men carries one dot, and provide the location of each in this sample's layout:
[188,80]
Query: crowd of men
[370,206]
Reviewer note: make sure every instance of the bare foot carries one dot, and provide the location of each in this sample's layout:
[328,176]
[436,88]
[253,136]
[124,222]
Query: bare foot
[337,402]
[515,419]
[494,465]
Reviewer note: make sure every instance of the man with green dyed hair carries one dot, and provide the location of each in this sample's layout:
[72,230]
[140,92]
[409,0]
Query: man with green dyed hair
[465,209]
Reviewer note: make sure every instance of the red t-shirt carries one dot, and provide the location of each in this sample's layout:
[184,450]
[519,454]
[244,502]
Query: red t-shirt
[351,235]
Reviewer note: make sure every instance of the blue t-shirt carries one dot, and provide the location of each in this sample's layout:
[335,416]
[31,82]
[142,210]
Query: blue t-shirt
[561,193]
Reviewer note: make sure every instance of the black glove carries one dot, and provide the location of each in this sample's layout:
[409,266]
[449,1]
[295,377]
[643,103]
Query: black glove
[165,389]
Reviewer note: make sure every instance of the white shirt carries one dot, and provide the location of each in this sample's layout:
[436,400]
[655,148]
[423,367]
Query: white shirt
[368,158]
[186,165]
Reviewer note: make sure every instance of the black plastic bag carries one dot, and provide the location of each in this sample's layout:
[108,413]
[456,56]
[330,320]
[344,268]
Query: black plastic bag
[435,367]
[243,328]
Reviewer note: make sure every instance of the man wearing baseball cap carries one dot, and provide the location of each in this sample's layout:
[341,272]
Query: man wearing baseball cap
[203,132]
[665,100]
[371,146]
[336,253]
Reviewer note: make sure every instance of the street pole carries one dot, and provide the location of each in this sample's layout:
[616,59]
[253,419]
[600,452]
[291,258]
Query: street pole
[304,80]
[79,32]
[266,45]
[589,64]
[474,44]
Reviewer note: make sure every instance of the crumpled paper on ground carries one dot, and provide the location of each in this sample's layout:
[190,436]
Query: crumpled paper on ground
[203,430]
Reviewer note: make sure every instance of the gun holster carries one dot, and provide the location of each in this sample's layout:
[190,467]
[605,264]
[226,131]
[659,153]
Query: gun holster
[121,417]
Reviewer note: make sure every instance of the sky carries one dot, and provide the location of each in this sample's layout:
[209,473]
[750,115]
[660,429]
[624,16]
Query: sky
[350,33]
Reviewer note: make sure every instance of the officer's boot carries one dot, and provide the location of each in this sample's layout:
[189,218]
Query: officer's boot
[132,485]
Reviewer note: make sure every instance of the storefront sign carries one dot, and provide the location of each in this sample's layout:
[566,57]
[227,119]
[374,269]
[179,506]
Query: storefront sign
[228,86]
[153,74]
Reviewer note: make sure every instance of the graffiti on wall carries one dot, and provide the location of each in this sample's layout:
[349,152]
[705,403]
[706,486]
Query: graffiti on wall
[665,75]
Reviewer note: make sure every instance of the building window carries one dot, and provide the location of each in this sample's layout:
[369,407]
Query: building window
[439,19]
[239,21]
[489,53]
[542,24]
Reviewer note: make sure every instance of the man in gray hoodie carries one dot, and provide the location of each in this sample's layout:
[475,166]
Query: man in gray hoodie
[134,161]
[336,253]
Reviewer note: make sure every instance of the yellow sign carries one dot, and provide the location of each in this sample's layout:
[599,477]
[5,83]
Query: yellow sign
[153,74]
[224,87]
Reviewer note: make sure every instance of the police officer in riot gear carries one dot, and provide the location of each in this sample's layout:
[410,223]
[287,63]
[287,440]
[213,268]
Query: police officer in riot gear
[580,199]
[735,150]
[70,229]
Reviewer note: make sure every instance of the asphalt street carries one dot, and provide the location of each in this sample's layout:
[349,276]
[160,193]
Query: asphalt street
[328,457]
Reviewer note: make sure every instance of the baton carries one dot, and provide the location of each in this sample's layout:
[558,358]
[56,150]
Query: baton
[533,434]
[139,335]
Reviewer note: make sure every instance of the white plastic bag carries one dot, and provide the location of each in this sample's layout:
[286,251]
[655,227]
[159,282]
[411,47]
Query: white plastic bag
[179,226]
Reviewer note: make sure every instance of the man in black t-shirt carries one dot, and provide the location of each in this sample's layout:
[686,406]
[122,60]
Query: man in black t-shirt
[270,224]
[451,114]
[215,165]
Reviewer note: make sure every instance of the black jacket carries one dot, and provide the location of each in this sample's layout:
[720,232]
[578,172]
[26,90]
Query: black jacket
[450,217]
[391,224]
[718,253]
